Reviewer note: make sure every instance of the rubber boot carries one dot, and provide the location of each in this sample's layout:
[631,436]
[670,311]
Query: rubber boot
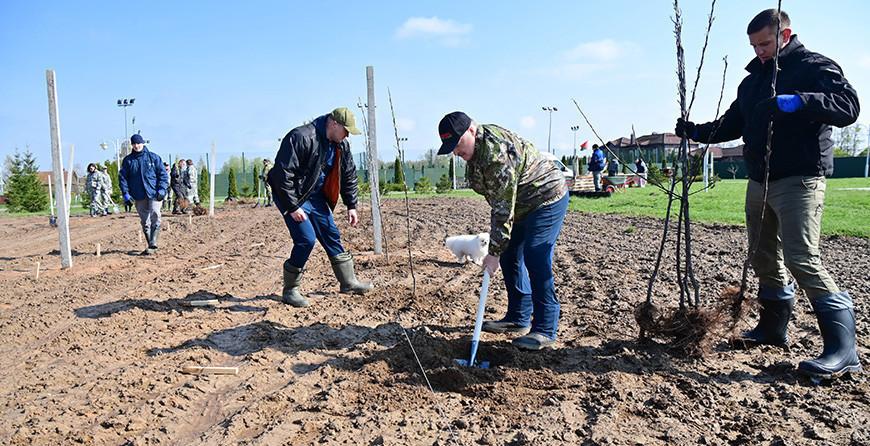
[155,237]
[776,306]
[292,278]
[148,251]
[837,325]
[342,266]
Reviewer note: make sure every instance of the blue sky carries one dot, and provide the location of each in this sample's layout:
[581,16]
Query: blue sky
[243,73]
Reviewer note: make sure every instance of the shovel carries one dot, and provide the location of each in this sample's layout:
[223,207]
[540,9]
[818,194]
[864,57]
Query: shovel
[478,323]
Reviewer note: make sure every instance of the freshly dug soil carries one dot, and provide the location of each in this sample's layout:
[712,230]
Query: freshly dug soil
[93,355]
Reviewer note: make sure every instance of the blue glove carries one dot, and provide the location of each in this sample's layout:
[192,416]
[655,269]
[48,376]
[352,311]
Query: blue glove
[128,198]
[161,194]
[789,103]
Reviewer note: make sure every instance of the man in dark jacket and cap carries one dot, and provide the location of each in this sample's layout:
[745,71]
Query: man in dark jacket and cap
[811,96]
[312,168]
[143,179]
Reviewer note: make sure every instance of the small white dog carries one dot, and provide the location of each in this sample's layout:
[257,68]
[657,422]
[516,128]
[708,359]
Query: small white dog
[469,247]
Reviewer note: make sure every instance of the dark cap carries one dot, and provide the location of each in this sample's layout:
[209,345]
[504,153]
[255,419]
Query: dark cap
[450,129]
[137,139]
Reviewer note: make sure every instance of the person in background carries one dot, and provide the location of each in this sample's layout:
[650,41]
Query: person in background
[192,183]
[108,205]
[92,187]
[640,169]
[597,163]
[143,180]
[266,187]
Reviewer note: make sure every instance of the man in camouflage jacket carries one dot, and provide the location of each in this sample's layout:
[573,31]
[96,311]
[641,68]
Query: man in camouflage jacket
[529,198]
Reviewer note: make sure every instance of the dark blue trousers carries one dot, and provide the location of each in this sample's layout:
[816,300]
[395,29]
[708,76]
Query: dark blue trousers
[527,266]
[319,226]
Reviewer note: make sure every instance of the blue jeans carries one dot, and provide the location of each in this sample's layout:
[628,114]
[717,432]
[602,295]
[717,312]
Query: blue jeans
[527,266]
[318,226]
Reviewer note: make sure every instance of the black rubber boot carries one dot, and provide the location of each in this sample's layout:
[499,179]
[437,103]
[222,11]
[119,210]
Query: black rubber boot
[772,327]
[155,237]
[148,251]
[840,354]
[290,295]
[342,266]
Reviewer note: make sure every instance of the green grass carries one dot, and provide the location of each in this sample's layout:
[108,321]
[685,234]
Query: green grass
[846,211]
[461,193]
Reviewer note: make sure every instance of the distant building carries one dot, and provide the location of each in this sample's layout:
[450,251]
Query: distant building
[654,148]
[78,185]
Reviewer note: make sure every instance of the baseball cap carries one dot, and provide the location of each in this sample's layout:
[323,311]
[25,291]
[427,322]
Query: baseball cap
[450,129]
[344,116]
[137,139]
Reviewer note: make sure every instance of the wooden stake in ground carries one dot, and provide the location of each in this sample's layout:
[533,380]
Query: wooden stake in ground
[203,303]
[200,370]
[98,249]
[37,270]
[57,169]
[140,235]
[211,182]
[189,220]
[52,220]
[69,178]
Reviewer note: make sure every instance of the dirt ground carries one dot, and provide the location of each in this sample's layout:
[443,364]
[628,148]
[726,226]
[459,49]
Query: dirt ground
[93,355]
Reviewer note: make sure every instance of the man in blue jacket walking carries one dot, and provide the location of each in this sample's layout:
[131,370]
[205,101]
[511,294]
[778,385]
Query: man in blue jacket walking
[143,179]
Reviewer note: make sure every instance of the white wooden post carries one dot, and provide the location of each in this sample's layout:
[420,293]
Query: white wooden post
[50,197]
[57,169]
[373,162]
[69,184]
[211,183]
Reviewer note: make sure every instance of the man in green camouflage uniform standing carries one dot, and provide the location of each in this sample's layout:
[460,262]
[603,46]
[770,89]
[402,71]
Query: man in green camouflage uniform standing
[92,187]
[108,206]
[267,189]
[529,198]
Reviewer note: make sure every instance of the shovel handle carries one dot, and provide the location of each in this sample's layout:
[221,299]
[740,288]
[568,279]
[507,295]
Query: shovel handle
[478,321]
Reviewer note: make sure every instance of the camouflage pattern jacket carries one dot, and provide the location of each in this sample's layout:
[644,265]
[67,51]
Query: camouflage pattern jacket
[514,178]
[93,183]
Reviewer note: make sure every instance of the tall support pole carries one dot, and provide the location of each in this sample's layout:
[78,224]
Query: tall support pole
[211,182]
[57,170]
[69,178]
[453,162]
[867,161]
[373,161]
[50,198]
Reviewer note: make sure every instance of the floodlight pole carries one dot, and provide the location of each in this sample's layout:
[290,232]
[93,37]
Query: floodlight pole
[550,110]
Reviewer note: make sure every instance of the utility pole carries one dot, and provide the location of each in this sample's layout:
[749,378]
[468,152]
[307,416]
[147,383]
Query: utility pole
[373,161]
[550,110]
[57,169]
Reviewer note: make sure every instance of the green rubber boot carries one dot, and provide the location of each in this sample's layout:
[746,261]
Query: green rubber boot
[342,266]
[290,295]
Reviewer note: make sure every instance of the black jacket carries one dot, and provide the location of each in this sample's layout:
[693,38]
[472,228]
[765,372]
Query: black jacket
[176,183]
[801,143]
[299,162]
